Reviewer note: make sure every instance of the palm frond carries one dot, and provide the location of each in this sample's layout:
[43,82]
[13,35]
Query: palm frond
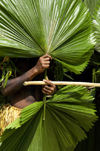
[91,4]
[70,113]
[96,22]
[61,28]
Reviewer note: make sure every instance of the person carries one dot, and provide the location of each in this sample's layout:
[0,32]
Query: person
[21,96]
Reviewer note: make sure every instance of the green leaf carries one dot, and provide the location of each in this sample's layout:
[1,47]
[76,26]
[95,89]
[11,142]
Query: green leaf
[34,108]
[61,28]
[96,22]
[9,73]
[91,4]
[70,113]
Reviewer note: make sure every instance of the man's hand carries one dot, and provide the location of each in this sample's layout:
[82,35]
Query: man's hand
[43,63]
[49,88]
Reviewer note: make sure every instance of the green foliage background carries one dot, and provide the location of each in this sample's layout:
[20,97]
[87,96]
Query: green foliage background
[71,109]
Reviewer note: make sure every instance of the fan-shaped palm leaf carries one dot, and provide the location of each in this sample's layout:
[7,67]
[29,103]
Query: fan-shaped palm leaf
[61,28]
[97,26]
[69,114]
[91,4]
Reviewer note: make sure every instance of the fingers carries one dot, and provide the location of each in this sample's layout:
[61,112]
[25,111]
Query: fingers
[43,63]
[45,91]
[47,57]
[46,62]
[49,88]
[48,82]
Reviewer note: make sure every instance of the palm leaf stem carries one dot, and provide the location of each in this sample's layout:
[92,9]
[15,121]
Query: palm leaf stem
[44,98]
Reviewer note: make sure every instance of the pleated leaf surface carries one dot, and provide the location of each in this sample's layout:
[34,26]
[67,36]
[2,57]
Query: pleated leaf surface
[70,113]
[91,4]
[96,21]
[61,28]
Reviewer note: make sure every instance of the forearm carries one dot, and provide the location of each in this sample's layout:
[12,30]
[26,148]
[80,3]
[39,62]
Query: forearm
[15,84]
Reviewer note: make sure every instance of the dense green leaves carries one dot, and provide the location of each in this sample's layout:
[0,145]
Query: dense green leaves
[61,28]
[7,69]
[97,26]
[91,4]
[69,114]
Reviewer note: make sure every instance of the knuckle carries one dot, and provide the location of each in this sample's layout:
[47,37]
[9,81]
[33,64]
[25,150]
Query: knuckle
[43,89]
[52,89]
[39,58]
[46,67]
[43,92]
[54,86]
[41,61]
[43,66]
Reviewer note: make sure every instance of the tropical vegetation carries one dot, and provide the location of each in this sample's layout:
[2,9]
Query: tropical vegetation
[67,31]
